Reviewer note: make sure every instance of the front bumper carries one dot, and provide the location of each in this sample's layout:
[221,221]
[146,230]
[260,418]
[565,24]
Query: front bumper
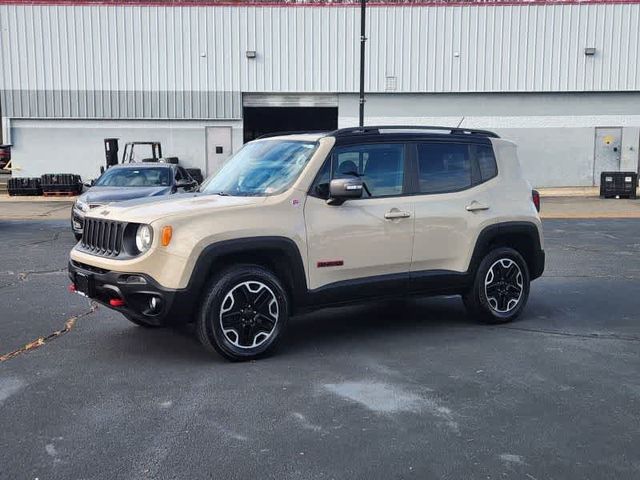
[132,293]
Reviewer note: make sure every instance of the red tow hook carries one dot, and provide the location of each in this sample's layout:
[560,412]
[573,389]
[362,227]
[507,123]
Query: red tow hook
[72,288]
[116,302]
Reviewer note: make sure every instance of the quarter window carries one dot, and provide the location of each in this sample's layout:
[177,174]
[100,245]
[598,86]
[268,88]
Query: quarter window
[486,161]
[443,167]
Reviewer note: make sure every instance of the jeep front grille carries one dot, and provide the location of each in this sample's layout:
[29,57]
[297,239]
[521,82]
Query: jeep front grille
[102,237]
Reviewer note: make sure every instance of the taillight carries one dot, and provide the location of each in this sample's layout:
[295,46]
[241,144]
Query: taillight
[535,196]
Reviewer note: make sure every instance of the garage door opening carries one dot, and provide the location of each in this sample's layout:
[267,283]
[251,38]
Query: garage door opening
[262,120]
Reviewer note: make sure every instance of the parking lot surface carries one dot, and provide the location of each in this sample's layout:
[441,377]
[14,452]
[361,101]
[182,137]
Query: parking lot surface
[413,389]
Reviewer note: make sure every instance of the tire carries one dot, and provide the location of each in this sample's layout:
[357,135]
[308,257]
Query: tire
[142,323]
[244,313]
[78,236]
[500,288]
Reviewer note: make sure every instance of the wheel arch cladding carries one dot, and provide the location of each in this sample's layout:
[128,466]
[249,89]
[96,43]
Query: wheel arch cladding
[521,236]
[280,255]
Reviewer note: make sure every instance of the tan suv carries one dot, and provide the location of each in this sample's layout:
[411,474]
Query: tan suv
[301,221]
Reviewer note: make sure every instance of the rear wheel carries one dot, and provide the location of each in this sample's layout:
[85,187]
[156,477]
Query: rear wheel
[244,312]
[501,287]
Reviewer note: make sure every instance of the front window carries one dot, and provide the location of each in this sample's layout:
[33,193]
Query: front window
[262,168]
[380,166]
[135,177]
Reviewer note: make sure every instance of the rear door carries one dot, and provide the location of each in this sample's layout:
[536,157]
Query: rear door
[365,241]
[453,202]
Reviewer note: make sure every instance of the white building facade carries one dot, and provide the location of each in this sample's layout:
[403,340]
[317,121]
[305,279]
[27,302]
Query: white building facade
[561,79]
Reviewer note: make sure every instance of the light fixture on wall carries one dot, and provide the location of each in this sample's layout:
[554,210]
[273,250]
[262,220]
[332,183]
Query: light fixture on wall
[251,54]
[590,51]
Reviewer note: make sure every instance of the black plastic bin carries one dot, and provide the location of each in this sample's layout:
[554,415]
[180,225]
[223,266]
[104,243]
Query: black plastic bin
[61,183]
[618,184]
[24,186]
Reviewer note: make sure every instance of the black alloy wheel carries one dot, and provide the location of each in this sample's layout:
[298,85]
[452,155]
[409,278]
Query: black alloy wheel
[244,313]
[501,287]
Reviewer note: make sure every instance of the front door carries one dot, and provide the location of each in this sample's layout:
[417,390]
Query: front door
[364,243]
[218,148]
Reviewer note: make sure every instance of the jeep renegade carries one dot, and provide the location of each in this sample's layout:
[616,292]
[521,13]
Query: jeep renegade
[295,222]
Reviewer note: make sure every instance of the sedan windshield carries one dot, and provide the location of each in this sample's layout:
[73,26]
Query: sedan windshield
[262,168]
[135,177]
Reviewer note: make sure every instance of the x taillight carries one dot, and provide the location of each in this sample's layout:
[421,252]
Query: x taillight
[535,196]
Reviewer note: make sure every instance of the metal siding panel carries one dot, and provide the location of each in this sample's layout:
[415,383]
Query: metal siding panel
[144,61]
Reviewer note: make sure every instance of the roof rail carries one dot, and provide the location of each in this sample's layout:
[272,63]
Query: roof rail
[376,130]
[295,132]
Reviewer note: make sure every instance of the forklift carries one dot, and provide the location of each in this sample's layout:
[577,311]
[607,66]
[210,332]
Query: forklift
[131,154]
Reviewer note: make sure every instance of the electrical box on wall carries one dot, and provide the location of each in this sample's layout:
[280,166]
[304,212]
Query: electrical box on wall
[607,151]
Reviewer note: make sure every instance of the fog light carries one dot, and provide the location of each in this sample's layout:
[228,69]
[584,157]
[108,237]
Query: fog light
[155,304]
[133,279]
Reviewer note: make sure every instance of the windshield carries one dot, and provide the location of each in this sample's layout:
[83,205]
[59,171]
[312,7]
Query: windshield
[261,168]
[135,177]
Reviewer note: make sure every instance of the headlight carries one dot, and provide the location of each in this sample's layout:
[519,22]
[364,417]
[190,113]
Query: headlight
[144,237]
[83,207]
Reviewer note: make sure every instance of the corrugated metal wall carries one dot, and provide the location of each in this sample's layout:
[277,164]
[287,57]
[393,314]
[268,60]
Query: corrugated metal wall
[189,62]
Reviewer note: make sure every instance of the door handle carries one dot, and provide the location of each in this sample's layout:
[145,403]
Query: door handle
[395,213]
[476,206]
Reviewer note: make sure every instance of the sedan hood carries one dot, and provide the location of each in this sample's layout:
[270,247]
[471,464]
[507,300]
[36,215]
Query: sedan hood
[147,210]
[117,194]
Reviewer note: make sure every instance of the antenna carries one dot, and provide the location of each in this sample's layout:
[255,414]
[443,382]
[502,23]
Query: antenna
[460,122]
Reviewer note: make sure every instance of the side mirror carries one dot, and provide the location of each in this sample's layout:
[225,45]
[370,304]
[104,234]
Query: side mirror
[342,189]
[186,183]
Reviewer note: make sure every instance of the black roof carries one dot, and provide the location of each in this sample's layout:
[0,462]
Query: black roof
[411,130]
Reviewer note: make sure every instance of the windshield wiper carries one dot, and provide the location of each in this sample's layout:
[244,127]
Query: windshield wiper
[222,194]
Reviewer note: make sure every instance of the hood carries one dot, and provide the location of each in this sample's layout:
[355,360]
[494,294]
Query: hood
[147,210]
[119,194]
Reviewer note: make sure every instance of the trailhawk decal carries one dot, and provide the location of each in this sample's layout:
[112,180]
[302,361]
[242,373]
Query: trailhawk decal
[330,263]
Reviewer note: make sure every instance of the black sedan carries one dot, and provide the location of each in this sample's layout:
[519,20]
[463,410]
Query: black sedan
[129,181]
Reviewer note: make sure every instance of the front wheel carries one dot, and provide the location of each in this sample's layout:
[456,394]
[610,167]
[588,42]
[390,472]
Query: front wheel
[78,236]
[244,312]
[500,288]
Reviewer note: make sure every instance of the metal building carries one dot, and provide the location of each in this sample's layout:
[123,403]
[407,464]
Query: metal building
[561,78]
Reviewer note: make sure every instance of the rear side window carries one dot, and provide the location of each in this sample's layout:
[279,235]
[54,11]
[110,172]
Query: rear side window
[486,161]
[444,167]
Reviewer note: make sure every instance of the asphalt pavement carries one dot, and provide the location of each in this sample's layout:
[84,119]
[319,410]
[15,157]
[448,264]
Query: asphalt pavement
[388,390]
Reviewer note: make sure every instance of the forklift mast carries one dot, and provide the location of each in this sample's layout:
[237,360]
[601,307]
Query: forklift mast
[129,149]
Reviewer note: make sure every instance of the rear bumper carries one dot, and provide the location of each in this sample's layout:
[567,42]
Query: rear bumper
[536,267]
[132,294]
